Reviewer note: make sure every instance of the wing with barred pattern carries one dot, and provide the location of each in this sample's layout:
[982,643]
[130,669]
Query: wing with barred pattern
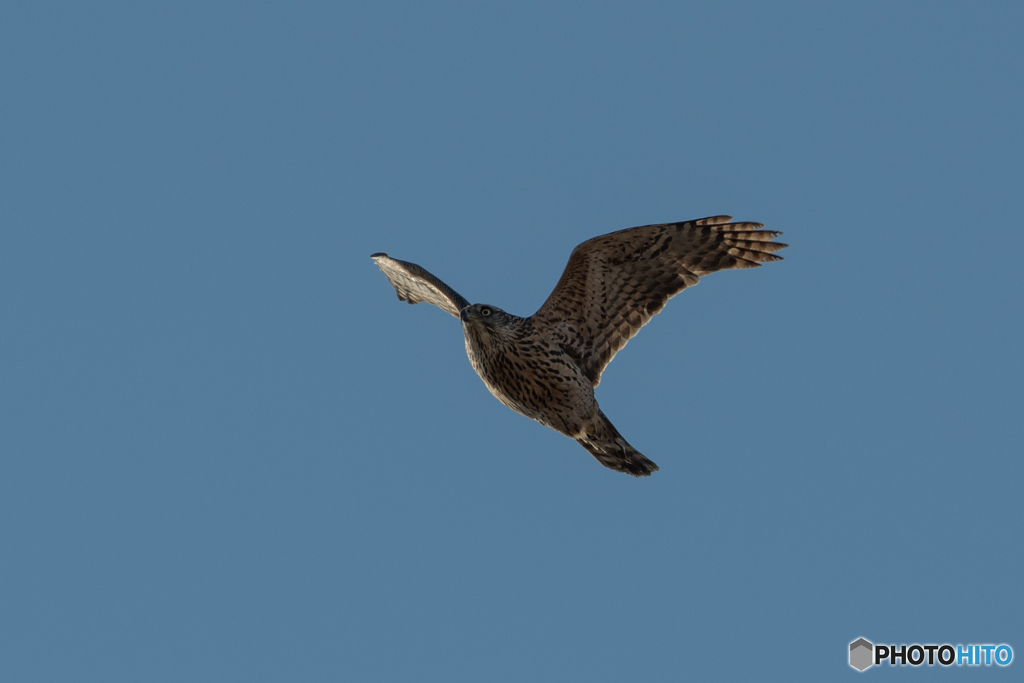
[415,285]
[614,284]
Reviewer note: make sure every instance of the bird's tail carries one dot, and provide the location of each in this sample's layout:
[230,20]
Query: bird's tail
[611,450]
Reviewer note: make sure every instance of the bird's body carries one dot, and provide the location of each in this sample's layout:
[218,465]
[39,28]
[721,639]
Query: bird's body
[522,369]
[546,366]
[530,372]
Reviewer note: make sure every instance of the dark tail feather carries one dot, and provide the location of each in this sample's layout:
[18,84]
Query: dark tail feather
[612,451]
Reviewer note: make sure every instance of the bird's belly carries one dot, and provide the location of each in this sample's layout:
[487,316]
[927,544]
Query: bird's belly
[552,392]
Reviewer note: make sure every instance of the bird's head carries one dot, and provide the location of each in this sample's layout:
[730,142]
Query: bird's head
[484,316]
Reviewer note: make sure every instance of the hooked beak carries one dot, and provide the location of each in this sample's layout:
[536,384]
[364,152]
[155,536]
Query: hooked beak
[465,315]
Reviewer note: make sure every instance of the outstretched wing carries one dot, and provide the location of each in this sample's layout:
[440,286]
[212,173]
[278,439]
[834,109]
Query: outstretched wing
[615,283]
[415,285]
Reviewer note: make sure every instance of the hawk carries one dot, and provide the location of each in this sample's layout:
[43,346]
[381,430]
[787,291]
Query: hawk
[547,366]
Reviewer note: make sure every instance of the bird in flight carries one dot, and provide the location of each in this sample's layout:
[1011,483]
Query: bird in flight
[547,366]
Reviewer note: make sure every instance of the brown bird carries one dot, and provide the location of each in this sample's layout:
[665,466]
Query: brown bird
[546,366]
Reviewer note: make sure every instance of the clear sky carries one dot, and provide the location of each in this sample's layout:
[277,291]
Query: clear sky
[229,453]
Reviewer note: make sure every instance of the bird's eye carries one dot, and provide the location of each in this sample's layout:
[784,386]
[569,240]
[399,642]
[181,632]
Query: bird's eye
[485,312]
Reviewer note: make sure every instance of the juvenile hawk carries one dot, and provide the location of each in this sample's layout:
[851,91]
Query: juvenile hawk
[546,366]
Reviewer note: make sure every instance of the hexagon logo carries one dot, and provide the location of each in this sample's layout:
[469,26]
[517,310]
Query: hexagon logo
[861,654]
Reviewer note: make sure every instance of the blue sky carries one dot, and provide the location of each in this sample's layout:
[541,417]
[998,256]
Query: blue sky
[228,453]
